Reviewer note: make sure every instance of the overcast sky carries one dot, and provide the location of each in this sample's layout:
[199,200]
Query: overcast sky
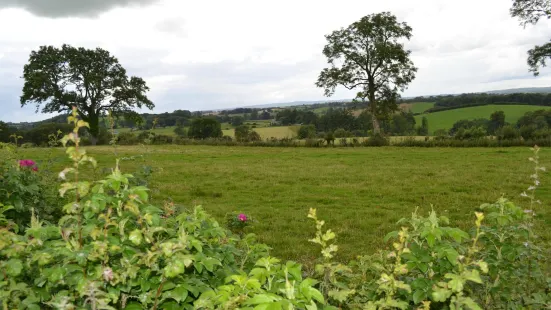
[211,54]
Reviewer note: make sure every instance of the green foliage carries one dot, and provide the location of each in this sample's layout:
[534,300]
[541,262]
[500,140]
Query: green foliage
[237,121]
[342,133]
[497,121]
[26,187]
[329,138]
[307,132]
[379,67]
[244,133]
[180,131]
[530,12]
[377,140]
[205,127]
[424,129]
[238,221]
[507,133]
[446,119]
[114,249]
[93,80]
[472,133]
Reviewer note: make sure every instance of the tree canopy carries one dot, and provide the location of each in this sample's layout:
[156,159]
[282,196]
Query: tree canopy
[90,79]
[205,127]
[530,12]
[369,56]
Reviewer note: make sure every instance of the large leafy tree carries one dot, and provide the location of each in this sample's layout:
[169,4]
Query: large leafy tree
[530,12]
[204,128]
[369,56]
[57,79]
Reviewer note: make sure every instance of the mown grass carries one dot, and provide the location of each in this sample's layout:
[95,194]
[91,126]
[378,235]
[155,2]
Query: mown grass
[360,192]
[446,119]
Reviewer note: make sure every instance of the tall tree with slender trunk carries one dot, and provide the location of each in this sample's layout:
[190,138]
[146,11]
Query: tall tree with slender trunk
[90,79]
[369,56]
[530,12]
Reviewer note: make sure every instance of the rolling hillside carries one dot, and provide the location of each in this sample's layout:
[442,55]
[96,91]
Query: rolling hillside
[446,119]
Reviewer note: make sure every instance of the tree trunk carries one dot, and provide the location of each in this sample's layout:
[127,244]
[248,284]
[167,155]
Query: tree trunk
[93,122]
[376,126]
[373,107]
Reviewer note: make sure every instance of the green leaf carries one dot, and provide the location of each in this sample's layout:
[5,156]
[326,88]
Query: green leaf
[14,267]
[456,282]
[472,275]
[340,295]
[136,237]
[269,306]
[441,294]
[419,296]
[262,299]
[471,304]
[457,234]
[179,294]
[133,306]
[317,295]
[391,235]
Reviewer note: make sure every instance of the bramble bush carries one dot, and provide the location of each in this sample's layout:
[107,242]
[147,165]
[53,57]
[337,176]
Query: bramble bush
[25,185]
[114,249]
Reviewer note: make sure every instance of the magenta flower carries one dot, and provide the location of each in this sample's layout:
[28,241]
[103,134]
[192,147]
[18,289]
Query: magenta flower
[28,163]
[242,217]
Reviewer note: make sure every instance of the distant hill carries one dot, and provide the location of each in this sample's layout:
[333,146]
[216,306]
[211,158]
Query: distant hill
[542,90]
[294,103]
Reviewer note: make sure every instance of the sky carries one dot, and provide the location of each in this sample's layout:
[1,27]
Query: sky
[214,54]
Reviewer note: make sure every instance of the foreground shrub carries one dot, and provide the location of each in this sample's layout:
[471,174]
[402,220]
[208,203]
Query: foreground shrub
[24,187]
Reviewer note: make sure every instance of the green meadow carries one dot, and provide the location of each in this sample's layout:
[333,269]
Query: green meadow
[360,192]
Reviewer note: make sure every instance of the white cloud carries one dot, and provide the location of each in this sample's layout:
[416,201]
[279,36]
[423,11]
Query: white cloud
[215,54]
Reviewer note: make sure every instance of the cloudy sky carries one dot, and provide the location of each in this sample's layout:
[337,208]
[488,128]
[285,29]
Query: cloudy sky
[211,54]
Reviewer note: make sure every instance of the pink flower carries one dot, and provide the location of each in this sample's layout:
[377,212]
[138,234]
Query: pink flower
[242,217]
[26,163]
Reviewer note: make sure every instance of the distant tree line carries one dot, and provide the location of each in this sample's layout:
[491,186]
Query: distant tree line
[344,123]
[531,126]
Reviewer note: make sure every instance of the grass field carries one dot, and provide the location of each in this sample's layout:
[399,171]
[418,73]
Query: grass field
[446,119]
[269,132]
[360,192]
[417,107]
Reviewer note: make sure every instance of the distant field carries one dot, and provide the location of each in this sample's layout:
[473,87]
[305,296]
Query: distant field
[446,119]
[359,192]
[278,132]
[225,126]
[418,107]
